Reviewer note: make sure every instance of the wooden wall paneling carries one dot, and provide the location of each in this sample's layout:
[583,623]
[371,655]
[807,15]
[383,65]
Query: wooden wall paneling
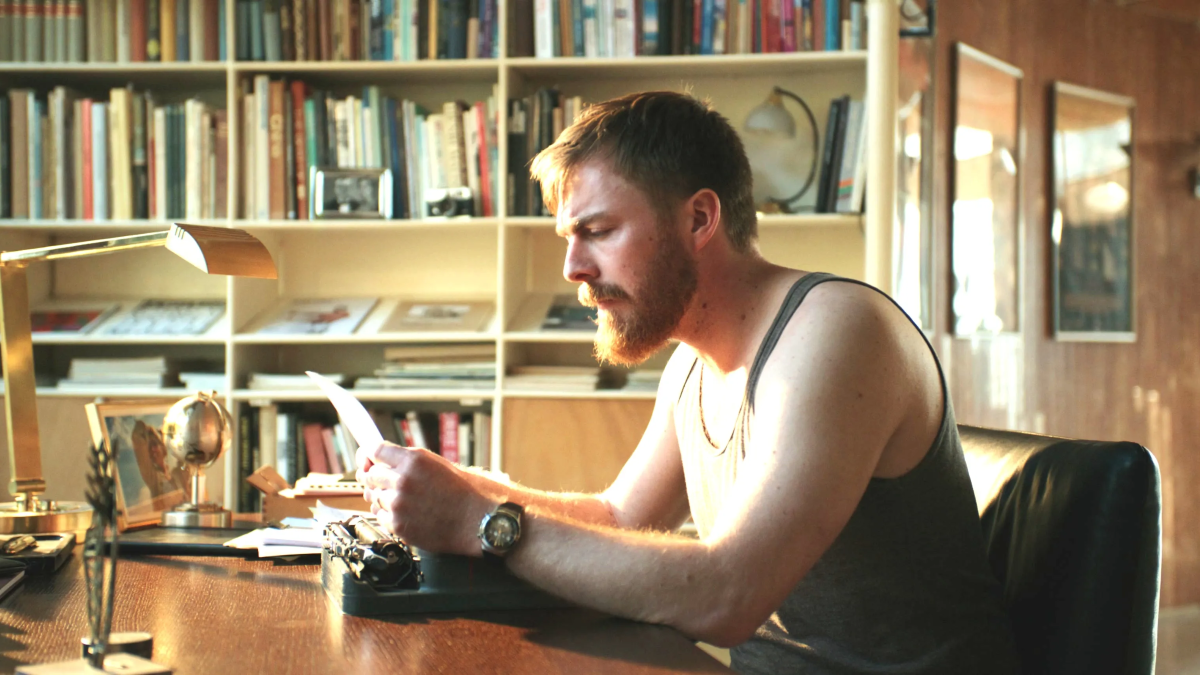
[576,445]
[1146,391]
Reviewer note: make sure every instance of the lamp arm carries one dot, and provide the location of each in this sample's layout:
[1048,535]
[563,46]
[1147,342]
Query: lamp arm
[85,248]
[812,170]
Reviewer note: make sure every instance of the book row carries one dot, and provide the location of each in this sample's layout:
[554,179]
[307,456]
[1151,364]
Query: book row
[290,131]
[112,30]
[627,28]
[375,30]
[124,157]
[297,441]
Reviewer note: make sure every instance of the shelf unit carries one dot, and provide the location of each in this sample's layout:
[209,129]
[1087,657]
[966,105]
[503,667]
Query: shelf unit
[507,259]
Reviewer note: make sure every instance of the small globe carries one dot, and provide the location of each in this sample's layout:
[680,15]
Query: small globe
[196,432]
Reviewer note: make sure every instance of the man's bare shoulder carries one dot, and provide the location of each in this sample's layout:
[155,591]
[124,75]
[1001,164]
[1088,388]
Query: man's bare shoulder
[840,321]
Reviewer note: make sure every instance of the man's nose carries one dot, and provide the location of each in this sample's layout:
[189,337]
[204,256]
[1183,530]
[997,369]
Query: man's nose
[578,266]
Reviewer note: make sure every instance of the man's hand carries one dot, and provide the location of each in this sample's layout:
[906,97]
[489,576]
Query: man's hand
[423,499]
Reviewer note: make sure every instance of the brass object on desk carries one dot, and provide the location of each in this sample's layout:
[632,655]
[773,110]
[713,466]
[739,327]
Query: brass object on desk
[216,250]
[197,432]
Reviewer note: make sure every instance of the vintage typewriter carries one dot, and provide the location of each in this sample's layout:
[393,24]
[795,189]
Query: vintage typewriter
[369,572]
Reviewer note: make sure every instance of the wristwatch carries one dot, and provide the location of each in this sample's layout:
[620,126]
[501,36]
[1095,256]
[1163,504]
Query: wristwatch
[500,531]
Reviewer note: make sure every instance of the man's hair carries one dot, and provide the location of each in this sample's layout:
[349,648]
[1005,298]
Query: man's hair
[668,144]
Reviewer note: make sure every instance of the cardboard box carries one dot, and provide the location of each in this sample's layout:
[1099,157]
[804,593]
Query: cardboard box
[279,502]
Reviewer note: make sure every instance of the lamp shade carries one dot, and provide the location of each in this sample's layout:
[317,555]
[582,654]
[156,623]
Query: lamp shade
[783,166]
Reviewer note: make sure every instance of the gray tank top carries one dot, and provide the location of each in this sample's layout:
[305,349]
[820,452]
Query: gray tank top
[905,587]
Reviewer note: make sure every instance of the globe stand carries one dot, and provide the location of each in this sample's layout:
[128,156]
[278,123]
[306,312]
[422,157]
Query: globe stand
[197,514]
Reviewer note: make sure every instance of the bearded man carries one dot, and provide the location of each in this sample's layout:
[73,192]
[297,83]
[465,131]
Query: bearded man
[802,423]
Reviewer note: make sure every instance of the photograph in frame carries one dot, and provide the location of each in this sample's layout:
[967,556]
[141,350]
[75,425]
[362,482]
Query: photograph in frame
[1091,223]
[985,227]
[351,193]
[147,485]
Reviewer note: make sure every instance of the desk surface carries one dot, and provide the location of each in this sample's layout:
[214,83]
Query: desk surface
[229,616]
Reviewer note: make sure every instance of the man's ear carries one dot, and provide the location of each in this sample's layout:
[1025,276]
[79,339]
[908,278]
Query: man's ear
[704,217]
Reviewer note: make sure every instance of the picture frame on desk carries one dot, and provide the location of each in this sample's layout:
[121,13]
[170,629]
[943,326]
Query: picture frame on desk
[1091,230]
[147,485]
[351,193]
[985,219]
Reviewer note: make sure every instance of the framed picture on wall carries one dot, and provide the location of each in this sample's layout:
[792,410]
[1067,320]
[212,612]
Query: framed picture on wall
[1091,225]
[912,281]
[147,484]
[985,232]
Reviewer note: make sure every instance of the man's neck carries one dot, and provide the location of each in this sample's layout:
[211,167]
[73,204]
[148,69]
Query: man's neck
[735,302]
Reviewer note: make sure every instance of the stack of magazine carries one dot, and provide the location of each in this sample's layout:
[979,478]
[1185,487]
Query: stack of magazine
[465,366]
[643,379]
[553,378]
[151,372]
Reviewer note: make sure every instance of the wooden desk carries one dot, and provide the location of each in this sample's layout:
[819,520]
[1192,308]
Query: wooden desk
[230,616]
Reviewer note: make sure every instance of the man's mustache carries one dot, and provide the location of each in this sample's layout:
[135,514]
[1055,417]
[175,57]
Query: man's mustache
[591,295]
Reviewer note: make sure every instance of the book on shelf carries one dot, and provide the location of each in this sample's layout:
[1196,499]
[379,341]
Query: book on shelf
[624,29]
[361,30]
[290,129]
[124,157]
[319,316]
[120,373]
[165,317]
[642,379]
[415,316]
[434,367]
[534,122]
[567,313]
[63,31]
[313,451]
[557,378]
[69,318]
[287,381]
[201,381]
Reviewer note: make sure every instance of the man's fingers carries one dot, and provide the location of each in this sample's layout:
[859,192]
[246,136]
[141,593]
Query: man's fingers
[388,454]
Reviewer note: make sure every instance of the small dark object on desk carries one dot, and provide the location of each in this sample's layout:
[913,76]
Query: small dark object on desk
[11,574]
[48,553]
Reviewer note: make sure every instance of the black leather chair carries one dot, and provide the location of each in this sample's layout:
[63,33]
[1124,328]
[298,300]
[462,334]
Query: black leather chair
[1074,533]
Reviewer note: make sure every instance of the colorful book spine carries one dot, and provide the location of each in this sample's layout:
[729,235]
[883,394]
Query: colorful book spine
[153,31]
[99,161]
[87,208]
[833,25]
[183,46]
[166,23]
[34,141]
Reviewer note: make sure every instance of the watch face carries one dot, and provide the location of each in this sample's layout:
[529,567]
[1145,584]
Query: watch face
[501,531]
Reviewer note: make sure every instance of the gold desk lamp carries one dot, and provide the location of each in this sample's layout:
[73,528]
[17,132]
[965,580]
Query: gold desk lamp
[216,250]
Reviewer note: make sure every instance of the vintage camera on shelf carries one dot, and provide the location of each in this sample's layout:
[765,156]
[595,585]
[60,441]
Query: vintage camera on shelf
[449,202]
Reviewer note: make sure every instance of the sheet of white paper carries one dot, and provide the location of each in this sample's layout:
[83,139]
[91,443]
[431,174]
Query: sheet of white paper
[299,522]
[353,414]
[278,551]
[252,539]
[323,513]
[291,536]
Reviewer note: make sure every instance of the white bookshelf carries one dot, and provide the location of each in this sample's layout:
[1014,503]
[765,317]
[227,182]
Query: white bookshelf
[506,259]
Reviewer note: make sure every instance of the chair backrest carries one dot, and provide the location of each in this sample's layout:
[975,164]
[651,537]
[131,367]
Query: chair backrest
[1073,531]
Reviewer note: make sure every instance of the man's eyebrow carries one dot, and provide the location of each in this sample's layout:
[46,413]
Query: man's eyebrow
[578,223]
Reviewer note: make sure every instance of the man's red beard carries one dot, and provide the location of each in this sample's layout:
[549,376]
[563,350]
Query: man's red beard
[645,320]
